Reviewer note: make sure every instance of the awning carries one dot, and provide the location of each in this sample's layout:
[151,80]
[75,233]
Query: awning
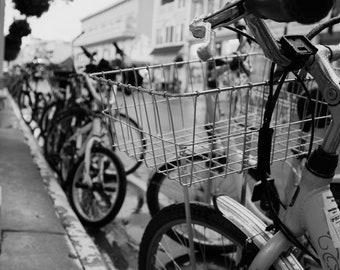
[167,49]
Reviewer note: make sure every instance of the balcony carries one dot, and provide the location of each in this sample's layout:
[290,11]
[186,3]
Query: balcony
[109,31]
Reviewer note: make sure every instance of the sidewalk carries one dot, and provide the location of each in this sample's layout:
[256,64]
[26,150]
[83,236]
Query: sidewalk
[38,228]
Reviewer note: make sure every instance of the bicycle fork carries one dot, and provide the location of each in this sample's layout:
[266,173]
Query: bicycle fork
[95,138]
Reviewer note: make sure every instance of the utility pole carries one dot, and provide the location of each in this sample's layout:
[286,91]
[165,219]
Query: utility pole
[2,39]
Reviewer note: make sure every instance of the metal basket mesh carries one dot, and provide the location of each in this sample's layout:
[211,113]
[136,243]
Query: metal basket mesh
[168,107]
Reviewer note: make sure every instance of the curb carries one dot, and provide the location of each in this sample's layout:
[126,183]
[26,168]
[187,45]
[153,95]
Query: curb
[84,248]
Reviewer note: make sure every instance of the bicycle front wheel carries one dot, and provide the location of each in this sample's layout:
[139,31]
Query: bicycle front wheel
[129,142]
[219,244]
[97,203]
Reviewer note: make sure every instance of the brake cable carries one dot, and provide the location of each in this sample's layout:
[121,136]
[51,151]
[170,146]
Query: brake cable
[264,149]
[264,162]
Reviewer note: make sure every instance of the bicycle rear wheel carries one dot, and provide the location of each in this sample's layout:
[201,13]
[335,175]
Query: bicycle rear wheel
[97,204]
[131,142]
[25,103]
[39,106]
[218,242]
[164,190]
[62,128]
[47,116]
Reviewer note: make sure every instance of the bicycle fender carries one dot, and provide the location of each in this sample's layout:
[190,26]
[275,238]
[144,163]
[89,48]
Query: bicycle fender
[254,228]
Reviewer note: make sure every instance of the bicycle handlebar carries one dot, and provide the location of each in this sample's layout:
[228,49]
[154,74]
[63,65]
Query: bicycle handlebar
[252,11]
[89,55]
[318,65]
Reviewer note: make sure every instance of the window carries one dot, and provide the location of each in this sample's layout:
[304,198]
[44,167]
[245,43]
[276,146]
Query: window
[166,2]
[159,39]
[197,8]
[169,36]
[181,3]
[210,6]
[179,32]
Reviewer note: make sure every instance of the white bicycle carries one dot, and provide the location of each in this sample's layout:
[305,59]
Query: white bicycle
[229,236]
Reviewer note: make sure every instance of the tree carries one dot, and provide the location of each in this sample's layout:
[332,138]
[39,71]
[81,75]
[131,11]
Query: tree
[21,28]
[32,7]
[17,30]
[12,47]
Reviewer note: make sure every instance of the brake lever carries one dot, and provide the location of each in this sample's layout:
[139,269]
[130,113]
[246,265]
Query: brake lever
[198,27]
[208,48]
[201,27]
[229,14]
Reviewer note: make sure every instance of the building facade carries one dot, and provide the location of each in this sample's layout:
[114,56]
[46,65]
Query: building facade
[157,31]
[127,22]
[153,32]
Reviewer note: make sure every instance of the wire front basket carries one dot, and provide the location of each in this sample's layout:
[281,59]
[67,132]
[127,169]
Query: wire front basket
[206,113]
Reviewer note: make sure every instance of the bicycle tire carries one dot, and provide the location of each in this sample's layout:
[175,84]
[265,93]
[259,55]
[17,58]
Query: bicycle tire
[15,89]
[126,131]
[40,103]
[25,104]
[162,190]
[47,117]
[76,191]
[61,129]
[155,240]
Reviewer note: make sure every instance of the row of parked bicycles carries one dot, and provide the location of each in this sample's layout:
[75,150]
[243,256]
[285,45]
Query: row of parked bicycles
[97,128]
[65,116]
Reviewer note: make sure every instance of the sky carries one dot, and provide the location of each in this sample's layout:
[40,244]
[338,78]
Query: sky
[61,22]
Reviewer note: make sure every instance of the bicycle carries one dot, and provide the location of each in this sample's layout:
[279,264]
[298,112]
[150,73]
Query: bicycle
[171,150]
[271,252]
[233,222]
[75,112]
[95,176]
[65,94]
[30,100]
[208,168]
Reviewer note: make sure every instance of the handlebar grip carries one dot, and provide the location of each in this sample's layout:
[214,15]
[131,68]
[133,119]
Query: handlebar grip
[302,11]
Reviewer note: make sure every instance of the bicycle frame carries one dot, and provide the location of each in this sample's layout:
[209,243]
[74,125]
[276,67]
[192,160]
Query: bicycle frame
[314,209]
[310,210]
[95,136]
